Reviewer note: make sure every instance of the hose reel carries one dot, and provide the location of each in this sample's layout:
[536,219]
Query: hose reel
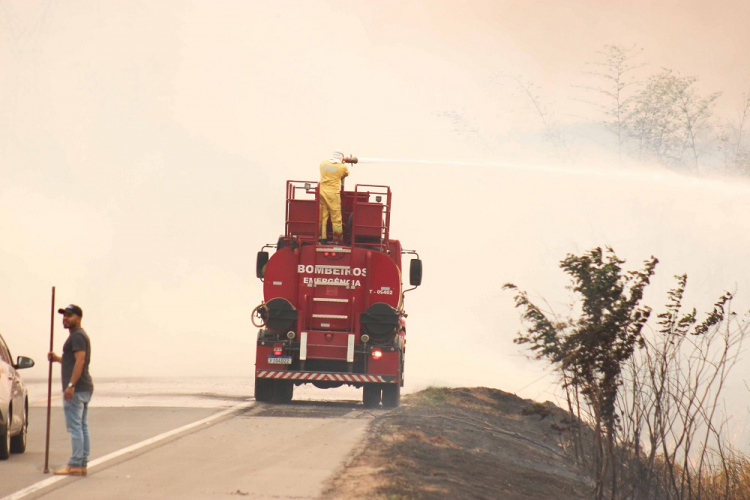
[381,323]
[277,314]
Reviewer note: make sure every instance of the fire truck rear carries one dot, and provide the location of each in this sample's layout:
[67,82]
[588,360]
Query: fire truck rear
[333,314]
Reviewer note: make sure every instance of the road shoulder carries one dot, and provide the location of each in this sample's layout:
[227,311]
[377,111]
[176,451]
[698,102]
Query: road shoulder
[463,443]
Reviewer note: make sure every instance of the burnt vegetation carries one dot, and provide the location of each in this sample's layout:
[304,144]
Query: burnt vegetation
[448,443]
[651,395]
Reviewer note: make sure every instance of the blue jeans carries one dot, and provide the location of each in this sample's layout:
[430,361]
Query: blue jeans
[77,421]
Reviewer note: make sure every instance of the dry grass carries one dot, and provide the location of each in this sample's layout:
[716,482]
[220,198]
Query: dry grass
[727,479]
[732,483]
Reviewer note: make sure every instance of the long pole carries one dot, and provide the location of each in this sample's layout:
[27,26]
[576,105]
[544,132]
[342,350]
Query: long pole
[49,380]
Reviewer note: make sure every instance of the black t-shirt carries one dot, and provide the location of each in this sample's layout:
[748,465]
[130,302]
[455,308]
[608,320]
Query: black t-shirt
[77,341]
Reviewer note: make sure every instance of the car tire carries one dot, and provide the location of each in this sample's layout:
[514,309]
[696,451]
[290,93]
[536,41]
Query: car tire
[18,443]
[371,395]
[5,439]
[391,395]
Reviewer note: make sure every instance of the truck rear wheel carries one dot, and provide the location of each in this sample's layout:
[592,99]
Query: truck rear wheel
[391,395]
[371,395]
[263,389]
[283,392]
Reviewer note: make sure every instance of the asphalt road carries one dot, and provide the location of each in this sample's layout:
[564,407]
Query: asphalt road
[256,452]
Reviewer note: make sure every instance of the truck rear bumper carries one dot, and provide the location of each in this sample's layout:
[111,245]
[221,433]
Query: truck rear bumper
[354,378]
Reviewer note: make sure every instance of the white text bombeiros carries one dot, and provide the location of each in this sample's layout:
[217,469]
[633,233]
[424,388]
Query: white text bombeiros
[331,270]
[330,275]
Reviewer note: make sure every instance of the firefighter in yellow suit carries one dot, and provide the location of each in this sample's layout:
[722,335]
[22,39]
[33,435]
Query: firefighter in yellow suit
[331,173]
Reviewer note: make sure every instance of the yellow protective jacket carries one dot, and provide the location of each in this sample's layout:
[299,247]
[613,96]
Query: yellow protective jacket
[330,200]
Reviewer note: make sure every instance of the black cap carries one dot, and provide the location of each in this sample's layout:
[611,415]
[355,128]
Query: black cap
[71,309]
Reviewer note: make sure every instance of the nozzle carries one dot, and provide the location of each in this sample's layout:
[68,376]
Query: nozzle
[351,159]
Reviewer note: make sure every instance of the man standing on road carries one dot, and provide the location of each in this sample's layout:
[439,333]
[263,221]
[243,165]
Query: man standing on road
[331,173]
[78,388]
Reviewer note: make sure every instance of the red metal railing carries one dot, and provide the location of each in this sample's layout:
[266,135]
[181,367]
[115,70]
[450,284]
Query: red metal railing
[366,210]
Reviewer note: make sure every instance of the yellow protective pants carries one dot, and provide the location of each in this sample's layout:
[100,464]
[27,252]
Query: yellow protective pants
[330,206]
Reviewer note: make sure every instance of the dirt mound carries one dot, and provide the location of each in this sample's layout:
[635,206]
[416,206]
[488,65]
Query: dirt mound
[464,443]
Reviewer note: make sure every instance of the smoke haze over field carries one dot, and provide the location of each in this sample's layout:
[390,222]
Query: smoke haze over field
[144,148]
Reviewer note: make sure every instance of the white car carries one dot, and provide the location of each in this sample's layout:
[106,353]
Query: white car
[14,403]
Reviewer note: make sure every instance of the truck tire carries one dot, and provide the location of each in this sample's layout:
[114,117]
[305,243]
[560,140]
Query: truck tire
[391,395]
[5,439]
[283,392]
[371,395]
[18,443]
[264,389]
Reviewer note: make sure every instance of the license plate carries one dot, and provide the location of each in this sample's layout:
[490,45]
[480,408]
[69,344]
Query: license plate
[279,360]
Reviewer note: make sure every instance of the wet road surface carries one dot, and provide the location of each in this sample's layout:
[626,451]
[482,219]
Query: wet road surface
[252,450]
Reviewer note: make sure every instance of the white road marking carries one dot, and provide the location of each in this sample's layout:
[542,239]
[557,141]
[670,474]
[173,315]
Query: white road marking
[94,463]
[44,400]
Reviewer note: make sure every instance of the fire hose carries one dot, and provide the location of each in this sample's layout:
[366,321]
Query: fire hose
[259,313]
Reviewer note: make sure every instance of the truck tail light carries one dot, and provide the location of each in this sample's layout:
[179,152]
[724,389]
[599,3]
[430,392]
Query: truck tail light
[278,349]
[377,354]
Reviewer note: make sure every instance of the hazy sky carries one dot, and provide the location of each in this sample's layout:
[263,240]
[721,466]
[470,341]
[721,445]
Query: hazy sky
[144,148]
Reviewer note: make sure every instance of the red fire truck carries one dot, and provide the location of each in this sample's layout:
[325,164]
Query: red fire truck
[333,314]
